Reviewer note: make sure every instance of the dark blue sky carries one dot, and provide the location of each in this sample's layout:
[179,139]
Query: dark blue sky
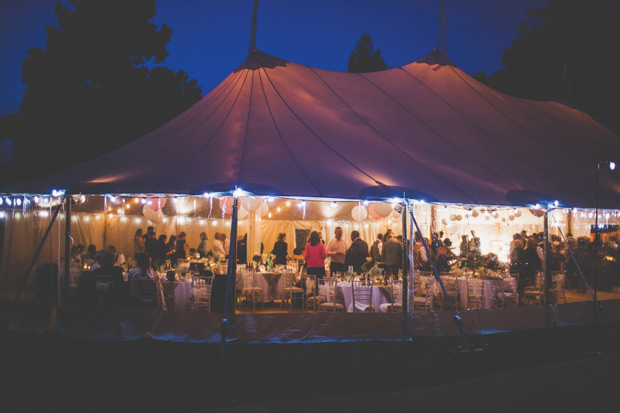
[210,37]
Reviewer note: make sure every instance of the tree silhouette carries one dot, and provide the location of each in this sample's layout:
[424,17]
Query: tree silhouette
[363,59]
[91,89]
[569,52]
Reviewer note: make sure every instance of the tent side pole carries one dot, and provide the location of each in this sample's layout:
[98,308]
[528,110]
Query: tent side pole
[405,260]
[33,262]
[65,289]
[229,302]
[547,257]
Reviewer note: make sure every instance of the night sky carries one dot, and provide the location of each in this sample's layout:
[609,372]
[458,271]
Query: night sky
[210,37]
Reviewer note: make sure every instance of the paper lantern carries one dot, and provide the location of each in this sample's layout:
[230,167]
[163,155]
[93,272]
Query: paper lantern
[382,209]
[252,203]
[264,210]
[372,213]
[518,213]
[511,217]
[459,217]
[359,213]
[474,213]
[226,204]
[443,221]
[537,212]
[242,213]
[155,203]
[150,214]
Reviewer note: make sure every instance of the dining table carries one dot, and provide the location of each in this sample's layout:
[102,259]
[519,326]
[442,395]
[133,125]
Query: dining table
[381,294]
[182,291]
[269,282]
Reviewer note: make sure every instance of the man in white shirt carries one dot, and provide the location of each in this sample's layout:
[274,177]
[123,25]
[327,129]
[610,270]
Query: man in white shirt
[224,243]
[336,251]
[218,247]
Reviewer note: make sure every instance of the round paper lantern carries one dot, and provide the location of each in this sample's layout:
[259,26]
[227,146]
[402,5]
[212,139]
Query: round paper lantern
[226,204]
[518,213]
[503,219]
[537,212]
[474,213]
[359,213]
[150,214]
[242,213]
[372,213]
[264,210]
[482,210]
[511,217]
[487,217]
[459,217]
[252,203]
[452,217]
[382,209]
[156,203]
[443,221]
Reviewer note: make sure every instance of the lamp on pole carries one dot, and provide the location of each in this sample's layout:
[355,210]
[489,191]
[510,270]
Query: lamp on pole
[612,166]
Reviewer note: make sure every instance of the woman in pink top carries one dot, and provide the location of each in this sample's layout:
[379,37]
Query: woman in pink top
[315,255]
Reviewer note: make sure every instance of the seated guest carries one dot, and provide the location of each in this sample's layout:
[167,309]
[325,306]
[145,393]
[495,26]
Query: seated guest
[90,254]
[119,259]
[98,260]
[121,288]
[142,270]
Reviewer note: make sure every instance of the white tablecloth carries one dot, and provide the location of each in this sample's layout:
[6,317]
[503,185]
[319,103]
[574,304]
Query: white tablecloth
[182,294]
[378,297]
[270,283]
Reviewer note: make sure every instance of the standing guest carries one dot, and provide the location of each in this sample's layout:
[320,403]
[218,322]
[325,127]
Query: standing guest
[474,244]
[171,246]
[280,249]
[375,250]
[218,248]
[203,247]
[139,243]
[225,244]
[315,255]
[444,256]
[392,254]
[532,262]
[181,247]
[160,248]
[357,253]
[336,251]
[242,249]
[150,241]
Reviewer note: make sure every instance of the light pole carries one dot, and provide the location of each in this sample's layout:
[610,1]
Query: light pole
[612,166]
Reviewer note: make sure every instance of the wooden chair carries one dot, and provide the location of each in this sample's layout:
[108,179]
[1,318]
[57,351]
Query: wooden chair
[535,293]
[508,292]
[449,283]
[146,293]
[426,301]
[474,292]
[361,296]
[327,293]
[313,299]
[290,291]
[396,298]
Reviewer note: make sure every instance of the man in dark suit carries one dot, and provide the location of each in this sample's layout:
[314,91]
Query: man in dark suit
[357,253]
[392,254]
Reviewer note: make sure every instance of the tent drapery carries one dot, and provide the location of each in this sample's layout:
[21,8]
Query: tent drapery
[426,129]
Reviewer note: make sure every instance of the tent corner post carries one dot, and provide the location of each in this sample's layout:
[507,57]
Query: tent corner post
[68,241]
[229,302]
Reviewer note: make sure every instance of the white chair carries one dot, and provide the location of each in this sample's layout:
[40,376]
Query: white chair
[558,288]
[251,292]
[201,293]
[361,296]
[146,293]
[313,299]
[290,291]
[327,294]
[535,293]
[105,289]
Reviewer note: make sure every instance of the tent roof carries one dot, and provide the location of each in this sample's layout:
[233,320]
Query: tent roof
[426,129]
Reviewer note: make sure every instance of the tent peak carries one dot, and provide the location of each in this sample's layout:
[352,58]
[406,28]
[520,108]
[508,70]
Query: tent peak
[436,57]
[257,59]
